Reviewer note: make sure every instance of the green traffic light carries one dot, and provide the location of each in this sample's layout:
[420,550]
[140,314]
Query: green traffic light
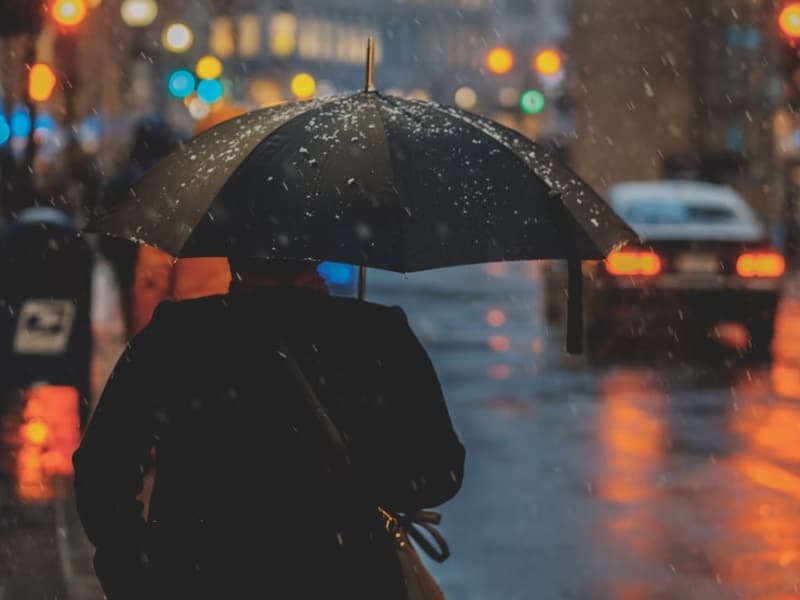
[532,102]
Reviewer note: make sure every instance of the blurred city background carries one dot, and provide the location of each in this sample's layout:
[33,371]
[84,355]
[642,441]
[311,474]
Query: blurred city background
[662,465]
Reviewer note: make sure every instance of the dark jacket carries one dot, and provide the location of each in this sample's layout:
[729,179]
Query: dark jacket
[243,503]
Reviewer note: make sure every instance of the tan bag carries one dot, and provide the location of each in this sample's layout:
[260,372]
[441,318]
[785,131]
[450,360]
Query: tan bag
[419,583]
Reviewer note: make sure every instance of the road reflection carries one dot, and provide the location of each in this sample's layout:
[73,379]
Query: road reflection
[630,441]
[763,552]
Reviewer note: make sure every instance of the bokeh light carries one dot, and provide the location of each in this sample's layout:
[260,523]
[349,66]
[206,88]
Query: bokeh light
[304,86]
[177,38]
[789,20]
[41,82]
[210,90]
[199,108]
[532,102]
[68,13]
[548,62]
[208,67]
[5,130]
[337,273]
[500,60]
[20,123]
[138,13]
[466,97]
[44,127]
[181,83]
[282,34]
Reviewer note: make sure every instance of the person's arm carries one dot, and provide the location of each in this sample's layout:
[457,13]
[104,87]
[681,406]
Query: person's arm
[112,457]
[418,460]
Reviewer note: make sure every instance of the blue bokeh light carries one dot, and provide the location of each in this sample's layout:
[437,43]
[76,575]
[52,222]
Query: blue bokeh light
[337,273]
[210,90]
[5,130]
[181,83]
[44,122]
[20,123]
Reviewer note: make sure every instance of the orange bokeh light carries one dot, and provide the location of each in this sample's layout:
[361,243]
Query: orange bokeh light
[68,13]
[41,82]
[500,60]
[548,61]
[789,20]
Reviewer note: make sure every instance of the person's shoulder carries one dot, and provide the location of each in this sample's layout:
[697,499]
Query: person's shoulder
[360,309]
[187,312]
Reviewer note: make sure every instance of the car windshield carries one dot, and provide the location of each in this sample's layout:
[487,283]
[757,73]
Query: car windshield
[673,213]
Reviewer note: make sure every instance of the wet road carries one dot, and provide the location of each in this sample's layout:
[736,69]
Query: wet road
[622,482]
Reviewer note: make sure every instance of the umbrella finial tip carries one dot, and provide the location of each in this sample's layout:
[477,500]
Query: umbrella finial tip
[370,74]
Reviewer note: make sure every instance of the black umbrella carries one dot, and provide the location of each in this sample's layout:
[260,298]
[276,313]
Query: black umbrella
[372,180]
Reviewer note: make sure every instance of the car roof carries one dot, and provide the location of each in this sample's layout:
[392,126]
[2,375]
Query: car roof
[745,227]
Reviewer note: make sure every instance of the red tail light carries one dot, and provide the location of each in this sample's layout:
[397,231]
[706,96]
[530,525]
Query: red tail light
[633,262]
[760,264]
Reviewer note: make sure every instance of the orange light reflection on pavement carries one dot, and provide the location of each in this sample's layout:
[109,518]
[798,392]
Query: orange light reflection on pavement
[46,437]
[630,454]
[631,437]
[499,343]
[500,372]
[496,317]
[763,508]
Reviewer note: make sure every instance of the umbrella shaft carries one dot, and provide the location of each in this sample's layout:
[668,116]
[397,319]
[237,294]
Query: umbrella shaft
[362,282]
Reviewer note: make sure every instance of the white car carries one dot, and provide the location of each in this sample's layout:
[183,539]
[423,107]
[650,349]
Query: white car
[705,259]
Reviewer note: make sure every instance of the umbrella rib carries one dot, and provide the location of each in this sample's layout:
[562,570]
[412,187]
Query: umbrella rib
[390,160]
[513,151]
[239,167]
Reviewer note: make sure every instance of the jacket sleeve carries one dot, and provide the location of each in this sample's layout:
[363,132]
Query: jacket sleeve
[113,456]
[418,460]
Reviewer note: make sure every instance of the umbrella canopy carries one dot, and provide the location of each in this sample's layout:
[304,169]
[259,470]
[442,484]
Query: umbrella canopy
[372,180]
[367,179]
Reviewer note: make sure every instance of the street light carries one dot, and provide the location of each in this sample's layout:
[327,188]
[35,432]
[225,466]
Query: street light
[499,60]
[532,102]
[177,38]
[68,13]
[138,13]
[789,20]
[548,62]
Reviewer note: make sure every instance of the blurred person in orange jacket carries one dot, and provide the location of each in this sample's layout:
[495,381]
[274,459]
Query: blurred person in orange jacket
[160,277]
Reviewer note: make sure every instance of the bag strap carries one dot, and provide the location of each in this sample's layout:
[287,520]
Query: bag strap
[410,522]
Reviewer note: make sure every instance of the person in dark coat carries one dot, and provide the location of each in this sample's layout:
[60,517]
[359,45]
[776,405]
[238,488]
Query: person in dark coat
[242,504]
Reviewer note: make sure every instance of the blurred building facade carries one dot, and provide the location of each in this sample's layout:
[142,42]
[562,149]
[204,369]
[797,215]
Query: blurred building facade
[676,88]
[426,48]
[113,71]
